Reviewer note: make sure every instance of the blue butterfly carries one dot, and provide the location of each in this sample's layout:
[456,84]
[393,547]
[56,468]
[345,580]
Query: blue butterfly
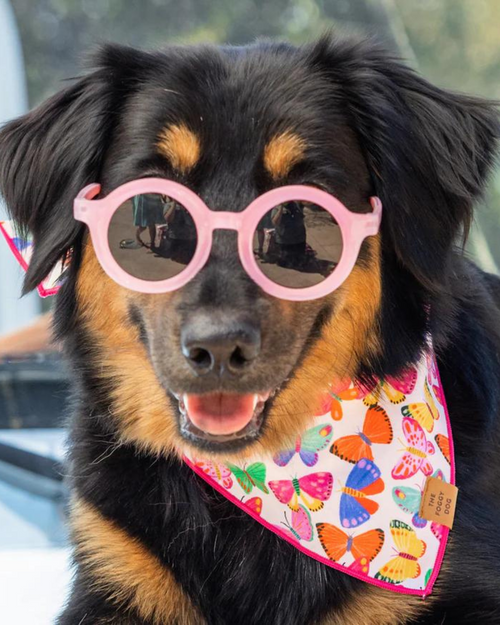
[307,446]
[364,479]
[409,499]
[21,244]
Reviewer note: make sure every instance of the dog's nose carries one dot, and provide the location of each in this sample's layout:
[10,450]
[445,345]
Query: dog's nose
[223,345]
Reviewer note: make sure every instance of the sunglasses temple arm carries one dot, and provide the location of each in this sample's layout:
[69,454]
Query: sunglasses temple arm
[83,199]
[374,218]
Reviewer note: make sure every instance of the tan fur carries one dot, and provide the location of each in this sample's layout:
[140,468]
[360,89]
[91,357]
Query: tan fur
[139,402]
[375,606]
[180,146]
[283,152]
[127,571]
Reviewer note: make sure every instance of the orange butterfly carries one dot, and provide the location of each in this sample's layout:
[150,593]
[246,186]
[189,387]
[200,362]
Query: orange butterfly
[376,429]
[443,442]
[332,400]
[337,543]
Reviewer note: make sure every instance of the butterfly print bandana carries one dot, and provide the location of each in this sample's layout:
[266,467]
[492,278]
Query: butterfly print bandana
[348,493]
[22,249]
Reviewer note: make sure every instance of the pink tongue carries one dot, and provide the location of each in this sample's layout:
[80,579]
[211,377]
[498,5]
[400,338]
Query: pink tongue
[220,413]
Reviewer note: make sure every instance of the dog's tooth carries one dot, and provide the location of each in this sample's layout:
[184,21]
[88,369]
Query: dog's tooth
[263,397]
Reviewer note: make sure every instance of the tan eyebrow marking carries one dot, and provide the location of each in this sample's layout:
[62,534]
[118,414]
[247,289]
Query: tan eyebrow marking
[282,152]
[181,146]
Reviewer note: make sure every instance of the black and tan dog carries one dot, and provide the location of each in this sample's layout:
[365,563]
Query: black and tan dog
[153,543]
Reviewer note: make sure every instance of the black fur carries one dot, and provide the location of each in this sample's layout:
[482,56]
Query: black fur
[373,127]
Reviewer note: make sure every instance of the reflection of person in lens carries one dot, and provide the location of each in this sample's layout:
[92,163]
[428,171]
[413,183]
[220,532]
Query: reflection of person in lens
[179,241]
[290,233]
[265,228]
[148,213]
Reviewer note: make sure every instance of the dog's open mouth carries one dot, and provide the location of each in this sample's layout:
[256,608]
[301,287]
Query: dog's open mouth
[221,417]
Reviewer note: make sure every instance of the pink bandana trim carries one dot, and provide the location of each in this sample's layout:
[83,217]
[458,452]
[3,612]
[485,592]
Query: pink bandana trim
[348,493]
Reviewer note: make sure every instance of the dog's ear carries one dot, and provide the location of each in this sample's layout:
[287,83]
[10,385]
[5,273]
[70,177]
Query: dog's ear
[48,155]
[429,150]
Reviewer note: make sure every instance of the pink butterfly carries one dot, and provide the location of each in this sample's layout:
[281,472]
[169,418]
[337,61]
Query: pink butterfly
[417,449]
[301,527]
[433,378]
[361,566]
[254,504]
[313,490]
[216,471]
[395,389]
[430,360]
[438,530]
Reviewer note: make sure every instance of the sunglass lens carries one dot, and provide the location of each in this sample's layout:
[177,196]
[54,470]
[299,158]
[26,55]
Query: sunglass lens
[152,237]
[297,244]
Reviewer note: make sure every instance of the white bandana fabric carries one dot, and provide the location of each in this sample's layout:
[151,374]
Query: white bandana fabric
[348,493]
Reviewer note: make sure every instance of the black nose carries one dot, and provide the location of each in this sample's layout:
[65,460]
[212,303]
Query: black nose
[220,344]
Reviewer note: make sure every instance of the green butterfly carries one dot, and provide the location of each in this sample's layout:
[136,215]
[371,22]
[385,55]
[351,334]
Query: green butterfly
[254,475]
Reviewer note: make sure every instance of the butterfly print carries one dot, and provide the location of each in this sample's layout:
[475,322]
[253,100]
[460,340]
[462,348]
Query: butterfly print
[432,369]
[332,400]
[348,491]
[301,527]
[410,548]
[443,442]
[307,446]
[438,530]
[312,489]
[363,480]
[361,566]
[424,413]
[216,471]
[254,475]
[395,389]
[433,378]
[409,499]
[363,547]
[416,452]
[376,429]
[254,504]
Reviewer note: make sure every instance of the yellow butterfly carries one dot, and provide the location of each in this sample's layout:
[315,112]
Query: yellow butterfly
[395,389]
[410,549]
[424,413]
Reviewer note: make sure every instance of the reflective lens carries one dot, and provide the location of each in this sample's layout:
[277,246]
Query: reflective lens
[297,244]
[152,237]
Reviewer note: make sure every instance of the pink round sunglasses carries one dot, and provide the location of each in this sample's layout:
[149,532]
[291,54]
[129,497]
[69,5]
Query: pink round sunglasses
[98,213]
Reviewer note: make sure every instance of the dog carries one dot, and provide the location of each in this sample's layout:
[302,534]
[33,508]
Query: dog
[154,543]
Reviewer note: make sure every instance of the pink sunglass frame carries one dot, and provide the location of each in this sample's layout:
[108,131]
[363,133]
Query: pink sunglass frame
[97,214]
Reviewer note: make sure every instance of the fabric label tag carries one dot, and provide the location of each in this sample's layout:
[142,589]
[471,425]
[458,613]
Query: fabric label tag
[439,500]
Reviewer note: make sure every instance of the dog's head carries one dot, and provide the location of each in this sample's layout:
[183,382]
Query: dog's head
[232,123]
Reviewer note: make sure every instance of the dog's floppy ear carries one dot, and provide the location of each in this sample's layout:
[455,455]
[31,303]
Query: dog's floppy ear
[49,154]
[429,150]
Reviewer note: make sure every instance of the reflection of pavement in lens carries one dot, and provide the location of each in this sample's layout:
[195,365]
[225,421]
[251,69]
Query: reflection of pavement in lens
[288,277]
[323,235]
[324,239]
[142,262]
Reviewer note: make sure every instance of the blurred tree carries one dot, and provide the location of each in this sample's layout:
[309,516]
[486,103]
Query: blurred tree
[454,43]
[457,45]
